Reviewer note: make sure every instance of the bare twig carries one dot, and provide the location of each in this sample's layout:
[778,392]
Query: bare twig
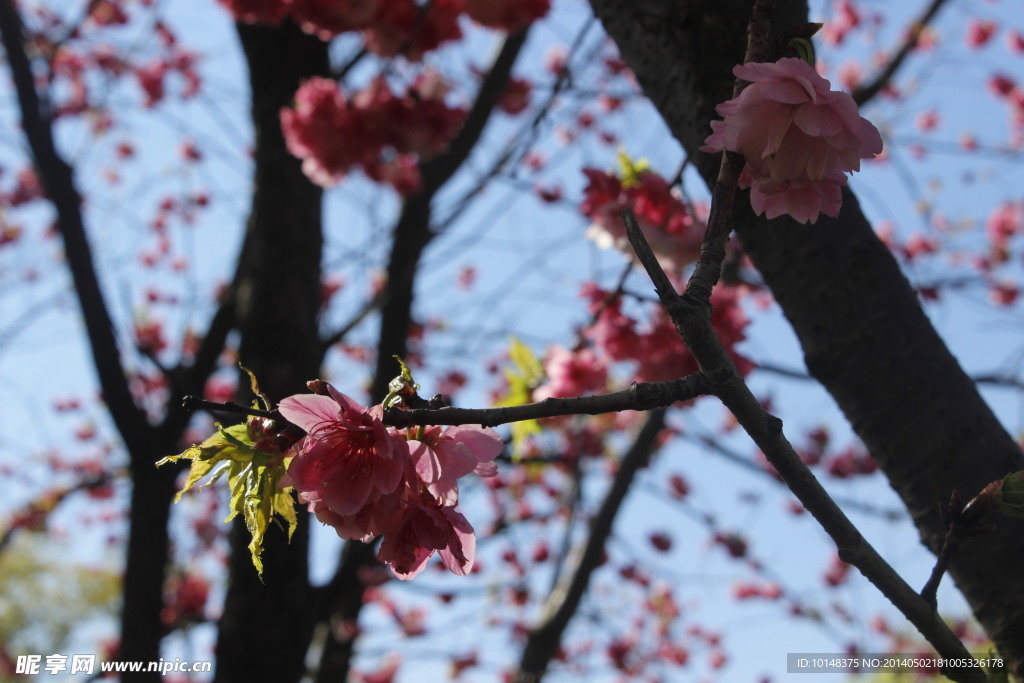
[191,404]
[692,318]
[562,603]
[56,177]
[864,93]
[638,396]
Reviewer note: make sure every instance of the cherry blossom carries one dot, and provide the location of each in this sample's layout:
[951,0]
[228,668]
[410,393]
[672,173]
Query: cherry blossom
[424,529]
[333,133]
[441,457]
[572,373]
[508,15]
[672,230]
[347,459]
[367,480]
[799,138]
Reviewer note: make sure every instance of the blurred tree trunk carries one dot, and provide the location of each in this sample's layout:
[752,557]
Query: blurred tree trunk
[864,334]
[265,630]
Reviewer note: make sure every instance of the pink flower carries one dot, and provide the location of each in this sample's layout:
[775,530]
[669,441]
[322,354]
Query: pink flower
[348,458]
[424,529]
[799,198]
[572,373]
[979,32]
[508,15]
[797,135]
[516,96]
[440,458]
[669,224]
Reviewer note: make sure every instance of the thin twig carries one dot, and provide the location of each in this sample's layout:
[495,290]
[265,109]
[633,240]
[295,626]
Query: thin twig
[193,403]
[562,603]
[638,396]
[865,93]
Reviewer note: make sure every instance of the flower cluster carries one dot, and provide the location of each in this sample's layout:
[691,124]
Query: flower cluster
[669,225]
[391,27]
[375,129]
[654,346]
[508,15]
[657,349]
[798,136]
[368,480]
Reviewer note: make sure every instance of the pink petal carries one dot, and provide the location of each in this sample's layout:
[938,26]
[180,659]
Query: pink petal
[345,495]
[429,526]
[458,557]
[486,469]
[425,461]
[405,560]
[309,411]
[347,403]
[387,472]
[445,491]
[485,443]
[818,120]
[456,459]
[787,92]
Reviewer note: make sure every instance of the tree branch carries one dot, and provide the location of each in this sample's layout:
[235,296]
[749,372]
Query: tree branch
[692,320]
[56,176]
[545,638]
[638,396]
[865,93]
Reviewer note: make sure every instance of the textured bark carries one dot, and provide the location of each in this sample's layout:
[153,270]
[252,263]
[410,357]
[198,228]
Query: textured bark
[265,629]
[861,326]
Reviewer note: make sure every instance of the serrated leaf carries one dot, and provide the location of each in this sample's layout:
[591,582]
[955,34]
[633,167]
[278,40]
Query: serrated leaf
[525,362]
[526,374]
[253,476]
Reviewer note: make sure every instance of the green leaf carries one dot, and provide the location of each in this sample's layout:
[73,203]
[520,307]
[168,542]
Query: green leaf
[528,365]
[253,478]
[523,377]
[629,170]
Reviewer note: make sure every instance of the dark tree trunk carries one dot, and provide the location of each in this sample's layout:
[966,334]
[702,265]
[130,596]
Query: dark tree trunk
[265,630]
[861,326]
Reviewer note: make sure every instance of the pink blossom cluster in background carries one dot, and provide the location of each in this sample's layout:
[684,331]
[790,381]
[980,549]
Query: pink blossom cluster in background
[368,480]
[391,27]
[333,133]
[654,346]
[799,138]
[669,225]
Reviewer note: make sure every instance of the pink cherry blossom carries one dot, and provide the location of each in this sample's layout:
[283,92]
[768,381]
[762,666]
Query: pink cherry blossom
[348,458]
[508,15]
[572,373]
[798,136]
[979,32]
[668,223]
[424,529]
[374,128]
[442,457]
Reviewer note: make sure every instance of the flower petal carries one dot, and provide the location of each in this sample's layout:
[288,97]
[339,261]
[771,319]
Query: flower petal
[309,411]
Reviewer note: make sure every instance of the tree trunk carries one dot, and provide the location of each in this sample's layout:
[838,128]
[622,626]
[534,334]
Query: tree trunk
[864,334]
[265,630]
